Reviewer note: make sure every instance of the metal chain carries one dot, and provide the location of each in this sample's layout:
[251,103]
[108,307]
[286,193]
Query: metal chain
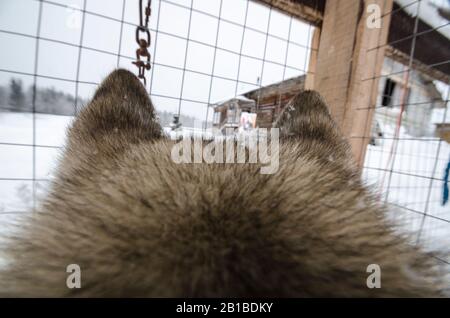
[144,43]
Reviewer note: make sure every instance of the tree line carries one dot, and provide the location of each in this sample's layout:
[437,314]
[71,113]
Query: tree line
[48,100]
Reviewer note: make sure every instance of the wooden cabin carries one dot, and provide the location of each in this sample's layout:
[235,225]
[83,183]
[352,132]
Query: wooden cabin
[267,102]
[227,114]
[418,94]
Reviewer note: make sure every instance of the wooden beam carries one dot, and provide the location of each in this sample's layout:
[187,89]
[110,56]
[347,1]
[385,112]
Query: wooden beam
[347,70]
[309,83]
[430,72]
[431,47]
[306,10]
[399,35]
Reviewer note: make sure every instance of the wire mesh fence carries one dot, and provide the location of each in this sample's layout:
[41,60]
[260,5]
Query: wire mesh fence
[205,53]
[56,54]
[407,157]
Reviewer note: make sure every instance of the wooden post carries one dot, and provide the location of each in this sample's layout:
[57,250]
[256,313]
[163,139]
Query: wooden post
[347,69]
[309,82]
[308,11]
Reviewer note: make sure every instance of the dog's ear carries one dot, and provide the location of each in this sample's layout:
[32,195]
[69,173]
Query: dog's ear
[119,115]
[120,104]
[307,118]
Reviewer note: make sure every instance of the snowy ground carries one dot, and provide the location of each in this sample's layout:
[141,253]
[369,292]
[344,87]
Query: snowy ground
[18,156]
[410,188]
[414,189]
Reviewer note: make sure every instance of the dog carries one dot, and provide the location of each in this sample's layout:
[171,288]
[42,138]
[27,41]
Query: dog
[137,224]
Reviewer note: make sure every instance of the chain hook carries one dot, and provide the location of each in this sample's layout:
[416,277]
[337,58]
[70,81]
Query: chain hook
[144,43]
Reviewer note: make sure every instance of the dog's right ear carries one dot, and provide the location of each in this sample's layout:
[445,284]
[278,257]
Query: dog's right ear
[306,118]
[119,115]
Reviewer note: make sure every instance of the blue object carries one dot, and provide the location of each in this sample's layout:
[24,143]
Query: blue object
[446,190]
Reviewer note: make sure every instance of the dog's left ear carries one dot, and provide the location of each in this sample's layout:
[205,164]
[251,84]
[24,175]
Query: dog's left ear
[119,115]
[121,103]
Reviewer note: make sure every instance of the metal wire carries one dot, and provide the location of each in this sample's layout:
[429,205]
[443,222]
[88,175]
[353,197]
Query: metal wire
[413,180]
[83,49]
[411,186]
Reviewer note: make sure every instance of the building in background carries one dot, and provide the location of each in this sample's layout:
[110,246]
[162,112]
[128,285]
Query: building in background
[266,102]
[418,95]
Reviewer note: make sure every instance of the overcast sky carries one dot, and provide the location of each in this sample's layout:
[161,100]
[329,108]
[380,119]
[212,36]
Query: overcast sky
[210,24]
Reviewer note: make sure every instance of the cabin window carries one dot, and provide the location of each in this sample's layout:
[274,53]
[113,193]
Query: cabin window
[216,118]
[388,93]
[231,116]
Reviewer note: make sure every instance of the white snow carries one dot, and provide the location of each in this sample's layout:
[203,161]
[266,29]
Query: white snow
[415,187]
[18,157]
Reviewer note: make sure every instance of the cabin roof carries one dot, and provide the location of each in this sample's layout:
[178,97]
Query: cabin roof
[286,87]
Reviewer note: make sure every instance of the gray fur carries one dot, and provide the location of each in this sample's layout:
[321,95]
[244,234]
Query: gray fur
[140,225]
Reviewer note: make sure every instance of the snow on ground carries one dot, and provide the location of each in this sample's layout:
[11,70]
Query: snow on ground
[414,189]
[409,188]
[17,155]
